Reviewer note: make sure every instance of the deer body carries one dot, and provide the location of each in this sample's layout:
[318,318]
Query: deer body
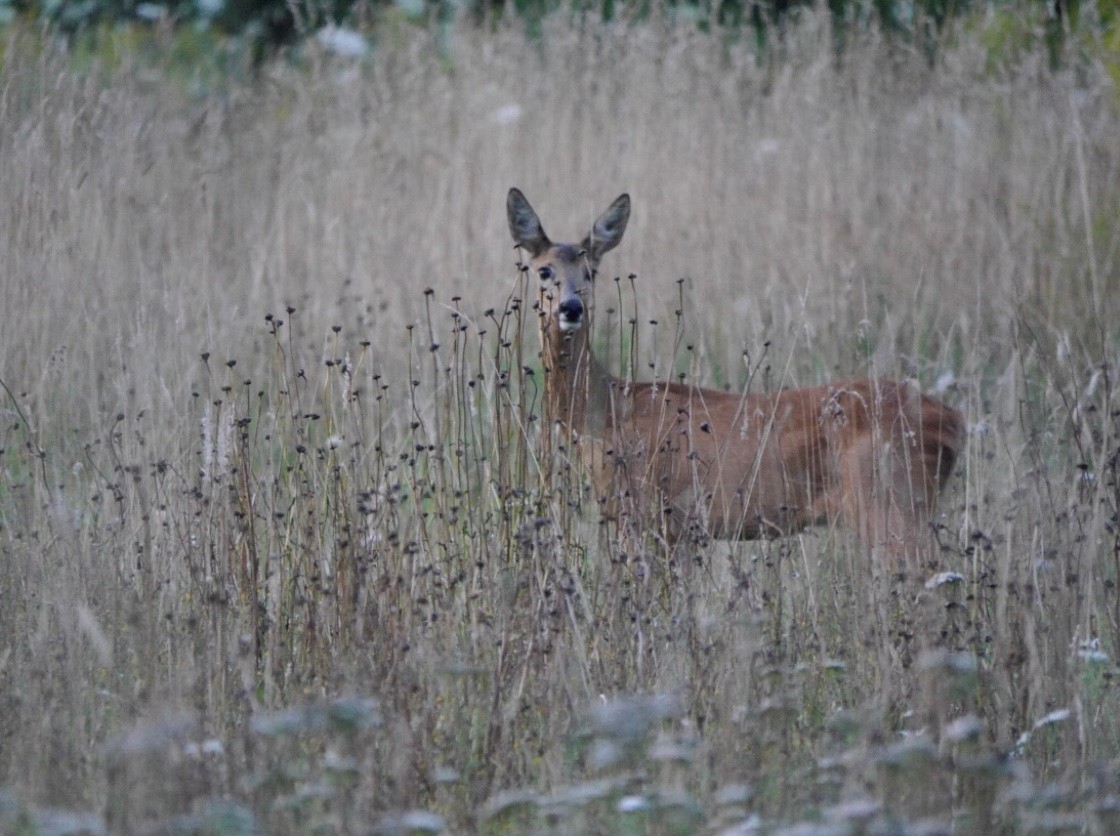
[700,463]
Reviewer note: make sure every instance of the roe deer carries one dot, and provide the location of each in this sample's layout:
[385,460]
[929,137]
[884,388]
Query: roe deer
[872,453]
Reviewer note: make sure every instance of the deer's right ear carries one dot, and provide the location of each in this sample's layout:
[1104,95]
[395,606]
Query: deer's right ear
[524,225]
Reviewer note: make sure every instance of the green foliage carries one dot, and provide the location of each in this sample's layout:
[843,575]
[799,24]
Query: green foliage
[269,24]
[1110,42]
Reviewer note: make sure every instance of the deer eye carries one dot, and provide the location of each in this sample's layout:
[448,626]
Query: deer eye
[545,273]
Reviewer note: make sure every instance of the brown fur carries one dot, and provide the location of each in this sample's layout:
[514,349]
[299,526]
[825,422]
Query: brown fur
[874,454]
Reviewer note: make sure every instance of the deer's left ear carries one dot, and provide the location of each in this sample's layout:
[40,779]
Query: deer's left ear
[608,228]
[524,225]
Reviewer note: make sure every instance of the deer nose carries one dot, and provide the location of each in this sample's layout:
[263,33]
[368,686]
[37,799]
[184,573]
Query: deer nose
[570,310]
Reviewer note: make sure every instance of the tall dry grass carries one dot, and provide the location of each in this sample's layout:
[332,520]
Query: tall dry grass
[281,544]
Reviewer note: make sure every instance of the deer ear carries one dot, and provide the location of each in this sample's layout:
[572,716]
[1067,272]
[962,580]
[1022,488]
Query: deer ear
[524,225]
[608,228]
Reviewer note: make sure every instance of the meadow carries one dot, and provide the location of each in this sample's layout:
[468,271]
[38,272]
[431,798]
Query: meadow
[288,546]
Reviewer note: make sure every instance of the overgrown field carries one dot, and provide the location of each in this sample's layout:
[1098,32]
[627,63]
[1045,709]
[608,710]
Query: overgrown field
[285,547]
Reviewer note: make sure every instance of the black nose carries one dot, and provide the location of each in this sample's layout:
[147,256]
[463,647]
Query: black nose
[571,310]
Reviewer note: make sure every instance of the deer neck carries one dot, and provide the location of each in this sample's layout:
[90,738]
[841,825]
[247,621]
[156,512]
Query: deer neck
[577,387]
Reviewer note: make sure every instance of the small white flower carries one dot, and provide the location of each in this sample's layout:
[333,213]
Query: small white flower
[1090,650]
[944,381]
[213,746]
[632,804]
[507,114]
[766,148]
[345,42]
[943,578]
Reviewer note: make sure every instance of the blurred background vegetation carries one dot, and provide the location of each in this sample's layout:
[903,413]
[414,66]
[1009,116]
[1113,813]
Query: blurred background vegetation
[260,28]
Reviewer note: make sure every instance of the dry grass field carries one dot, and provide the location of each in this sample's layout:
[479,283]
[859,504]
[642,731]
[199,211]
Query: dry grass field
[285,548]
